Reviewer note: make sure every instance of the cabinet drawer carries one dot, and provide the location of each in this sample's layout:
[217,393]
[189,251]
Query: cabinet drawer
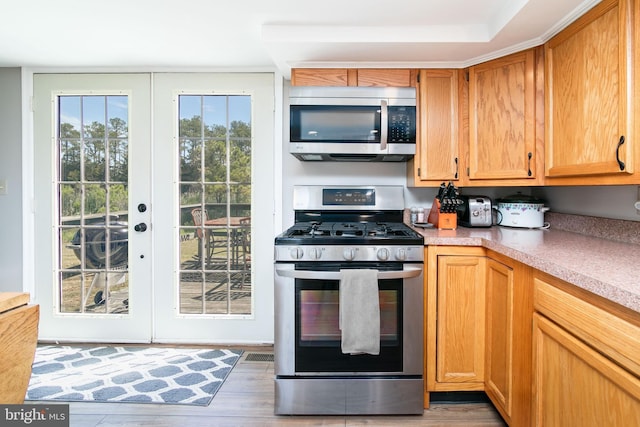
[611,335]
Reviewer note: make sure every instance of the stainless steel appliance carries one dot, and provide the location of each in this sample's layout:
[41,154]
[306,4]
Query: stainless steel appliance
[337,228]
[352,123]
[475,211]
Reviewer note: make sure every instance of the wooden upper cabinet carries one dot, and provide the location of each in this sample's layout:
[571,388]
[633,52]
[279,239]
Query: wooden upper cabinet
[589,98]
[369,77]
[502,118]
[437,150]
[385,77]
[319,77]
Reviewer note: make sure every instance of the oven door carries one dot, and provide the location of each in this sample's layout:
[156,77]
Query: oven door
[307,337]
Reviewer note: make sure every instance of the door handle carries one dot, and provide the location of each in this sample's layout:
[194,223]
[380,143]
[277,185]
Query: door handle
[409,272]
[142,227]
[384,124]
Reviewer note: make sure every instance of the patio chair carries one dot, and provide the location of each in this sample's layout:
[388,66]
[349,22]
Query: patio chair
[245,239]
[205,237]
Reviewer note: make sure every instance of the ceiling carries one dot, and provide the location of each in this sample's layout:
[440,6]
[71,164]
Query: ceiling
[156,35]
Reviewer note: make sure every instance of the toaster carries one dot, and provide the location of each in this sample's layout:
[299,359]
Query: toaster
[474,211]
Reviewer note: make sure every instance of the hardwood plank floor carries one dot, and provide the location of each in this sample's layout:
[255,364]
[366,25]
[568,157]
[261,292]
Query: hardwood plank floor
[246,399]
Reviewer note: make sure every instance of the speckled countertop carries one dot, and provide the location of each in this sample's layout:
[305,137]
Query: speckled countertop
[605,267]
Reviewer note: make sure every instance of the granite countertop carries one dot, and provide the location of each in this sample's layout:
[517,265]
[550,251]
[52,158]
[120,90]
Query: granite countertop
[605,267]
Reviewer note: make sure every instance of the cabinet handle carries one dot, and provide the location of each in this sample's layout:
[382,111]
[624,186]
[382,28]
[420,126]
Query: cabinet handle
[456,175]
[529,173]
[620,162]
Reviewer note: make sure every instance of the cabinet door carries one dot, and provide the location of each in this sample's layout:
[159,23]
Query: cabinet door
[437,153]
[320,77]
[502,118]
[589,95]
[460,323]
[499,337]
[367,77]
[385,77]
[575,386]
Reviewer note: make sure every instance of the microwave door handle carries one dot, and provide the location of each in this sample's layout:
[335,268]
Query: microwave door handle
[335,275]
[384,124]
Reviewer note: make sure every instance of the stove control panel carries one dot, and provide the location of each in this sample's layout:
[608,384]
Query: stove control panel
[347,253]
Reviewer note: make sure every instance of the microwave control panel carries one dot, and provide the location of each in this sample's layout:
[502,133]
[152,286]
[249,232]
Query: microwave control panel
[402,124]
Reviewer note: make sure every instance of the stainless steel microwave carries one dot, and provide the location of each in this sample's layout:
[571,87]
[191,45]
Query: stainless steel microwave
[352,123]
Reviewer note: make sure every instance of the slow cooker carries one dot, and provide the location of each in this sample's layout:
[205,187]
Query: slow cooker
[519,210]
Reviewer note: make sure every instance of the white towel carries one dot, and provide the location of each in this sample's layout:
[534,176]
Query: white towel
[359,311]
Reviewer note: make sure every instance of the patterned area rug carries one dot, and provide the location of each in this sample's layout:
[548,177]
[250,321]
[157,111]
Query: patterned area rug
[129,374]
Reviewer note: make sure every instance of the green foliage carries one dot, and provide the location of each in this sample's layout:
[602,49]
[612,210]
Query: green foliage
[226,160]
[224,170]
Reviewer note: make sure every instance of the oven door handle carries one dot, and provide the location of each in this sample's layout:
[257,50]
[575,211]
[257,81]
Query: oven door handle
[335,275]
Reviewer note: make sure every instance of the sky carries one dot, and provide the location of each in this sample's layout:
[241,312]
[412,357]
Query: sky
[212,107]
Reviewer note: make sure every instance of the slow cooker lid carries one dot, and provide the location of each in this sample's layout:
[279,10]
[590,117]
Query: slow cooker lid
[520,198]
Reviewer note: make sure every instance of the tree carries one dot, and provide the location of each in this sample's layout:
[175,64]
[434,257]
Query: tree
[225,153]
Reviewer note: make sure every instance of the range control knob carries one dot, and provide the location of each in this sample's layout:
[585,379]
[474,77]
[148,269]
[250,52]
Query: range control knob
[349,254]
[401,254]
[315,253]
[296,253]
[383,254]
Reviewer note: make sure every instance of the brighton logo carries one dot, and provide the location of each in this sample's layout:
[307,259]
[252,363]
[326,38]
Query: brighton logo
[34,415]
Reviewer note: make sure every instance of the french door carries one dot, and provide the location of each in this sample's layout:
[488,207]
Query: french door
[144,210]
[92,135]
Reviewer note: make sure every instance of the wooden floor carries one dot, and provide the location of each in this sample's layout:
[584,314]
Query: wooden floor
[246,400]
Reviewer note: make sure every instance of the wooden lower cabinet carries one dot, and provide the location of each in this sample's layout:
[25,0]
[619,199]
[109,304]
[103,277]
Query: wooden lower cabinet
[478,327]
[586,358]
[576,386]
[546,352]
[499,337]
[509,307]
[455,319]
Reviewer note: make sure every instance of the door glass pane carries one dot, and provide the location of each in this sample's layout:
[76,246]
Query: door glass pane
[215,205]
[92,150]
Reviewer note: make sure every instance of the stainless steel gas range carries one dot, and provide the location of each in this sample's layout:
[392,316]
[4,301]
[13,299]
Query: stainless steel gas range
[338,229]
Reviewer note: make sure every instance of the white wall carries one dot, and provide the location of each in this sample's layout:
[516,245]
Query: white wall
[615,202]
[11,242]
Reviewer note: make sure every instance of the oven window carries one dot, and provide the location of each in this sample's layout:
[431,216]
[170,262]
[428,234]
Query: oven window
[318,337]
[319,312]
